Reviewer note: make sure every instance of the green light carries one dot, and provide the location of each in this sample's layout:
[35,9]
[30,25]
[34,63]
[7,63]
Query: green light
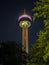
[25,23]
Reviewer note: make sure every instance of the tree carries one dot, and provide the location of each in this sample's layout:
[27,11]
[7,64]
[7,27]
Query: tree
[40,51]
[10,53]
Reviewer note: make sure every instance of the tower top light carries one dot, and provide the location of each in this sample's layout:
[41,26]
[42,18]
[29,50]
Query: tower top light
[24,16]
[24,20]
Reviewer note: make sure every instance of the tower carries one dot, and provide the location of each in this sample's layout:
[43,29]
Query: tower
[24,23]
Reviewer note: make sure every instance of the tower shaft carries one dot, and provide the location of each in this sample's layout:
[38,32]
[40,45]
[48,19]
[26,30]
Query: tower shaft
[25,39]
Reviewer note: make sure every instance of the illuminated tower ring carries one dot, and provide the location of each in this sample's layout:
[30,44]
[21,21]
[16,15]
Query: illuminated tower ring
[24,23]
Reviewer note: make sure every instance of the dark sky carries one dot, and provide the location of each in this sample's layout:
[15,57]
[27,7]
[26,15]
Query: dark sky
[9,26]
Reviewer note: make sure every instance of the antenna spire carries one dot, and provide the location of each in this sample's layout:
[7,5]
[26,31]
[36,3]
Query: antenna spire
[24,11]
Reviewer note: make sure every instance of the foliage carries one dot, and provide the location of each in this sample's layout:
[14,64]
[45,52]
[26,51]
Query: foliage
[40,50]
[41,9]
[12,54]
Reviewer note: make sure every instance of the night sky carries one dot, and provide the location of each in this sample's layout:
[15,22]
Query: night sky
[9,25]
